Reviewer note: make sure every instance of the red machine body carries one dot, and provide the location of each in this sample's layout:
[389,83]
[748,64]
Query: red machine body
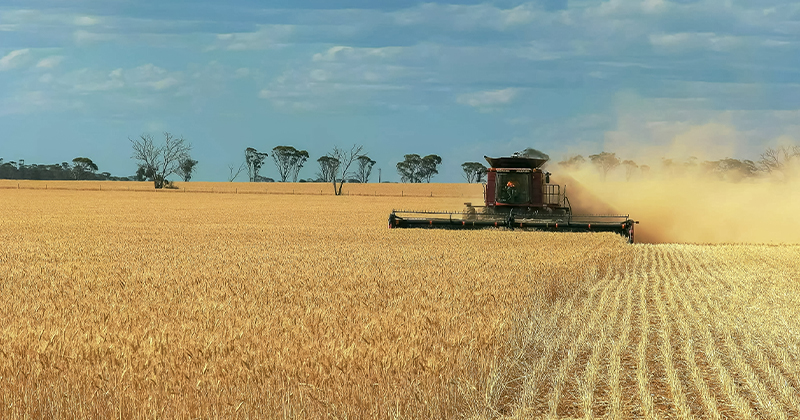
[517,195]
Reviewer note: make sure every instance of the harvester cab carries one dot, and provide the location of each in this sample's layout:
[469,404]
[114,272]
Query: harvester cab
[517,195]
[520,183]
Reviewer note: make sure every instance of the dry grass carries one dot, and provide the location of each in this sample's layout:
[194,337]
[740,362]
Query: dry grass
[132,305]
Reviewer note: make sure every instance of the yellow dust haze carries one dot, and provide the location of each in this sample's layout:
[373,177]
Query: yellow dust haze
[694,208]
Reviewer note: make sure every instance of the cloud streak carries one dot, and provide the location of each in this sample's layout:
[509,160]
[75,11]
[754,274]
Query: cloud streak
[14,59]
[488,98]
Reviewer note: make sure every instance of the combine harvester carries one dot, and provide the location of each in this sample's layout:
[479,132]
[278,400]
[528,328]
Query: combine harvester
[518,195]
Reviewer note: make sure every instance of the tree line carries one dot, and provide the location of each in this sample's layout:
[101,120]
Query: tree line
[776,161]
[158,161]
[81,168]
[334,166]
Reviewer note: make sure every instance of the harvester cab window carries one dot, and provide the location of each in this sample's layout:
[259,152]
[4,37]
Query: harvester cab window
[513,188]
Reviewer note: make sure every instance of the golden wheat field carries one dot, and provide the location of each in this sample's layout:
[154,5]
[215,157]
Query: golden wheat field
[132,304]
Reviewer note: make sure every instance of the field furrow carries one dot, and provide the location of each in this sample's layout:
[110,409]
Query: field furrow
[705,405]
[615,365]
[643,371]
[738,405]
[589,383]
[668,356]
[540,382]
[567,373]
[747,367]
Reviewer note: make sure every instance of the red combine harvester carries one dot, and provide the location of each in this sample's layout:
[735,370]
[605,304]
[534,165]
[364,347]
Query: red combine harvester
[517,195]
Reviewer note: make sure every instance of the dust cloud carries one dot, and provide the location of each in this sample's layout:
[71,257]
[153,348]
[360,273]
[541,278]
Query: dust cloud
[692,206]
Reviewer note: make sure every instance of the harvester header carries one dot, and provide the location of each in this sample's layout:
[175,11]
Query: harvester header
[518,195]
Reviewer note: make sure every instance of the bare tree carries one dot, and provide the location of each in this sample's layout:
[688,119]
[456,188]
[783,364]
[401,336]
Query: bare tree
[234,171]
[775,160]
[163,160]
[364,168]
[345,159]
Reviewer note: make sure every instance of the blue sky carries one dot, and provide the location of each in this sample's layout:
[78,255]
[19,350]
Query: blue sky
[710,78]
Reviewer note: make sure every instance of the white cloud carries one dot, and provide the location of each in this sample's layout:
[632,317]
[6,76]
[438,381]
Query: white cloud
[341,53]
[319,75]
[86,20]
[267,36]
[82,36]
[488,98]
[50,62]
[330,55]
[466,17]
[684,41]
[87,81]
[146,76]
[154,77]
[14,59]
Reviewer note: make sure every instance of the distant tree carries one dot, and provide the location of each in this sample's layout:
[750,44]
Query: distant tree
[572,163]
[430,165]
[254,160]
[409,168]
[235,171]
[289,161]
[163,160]
[730,169]
[364,169]
[144,173]
[415,169]
[473,171]
[669,166]
[776,160]
[605,161]
[82,167]
[186,169]
[327,168]
[343,160]
[630,167]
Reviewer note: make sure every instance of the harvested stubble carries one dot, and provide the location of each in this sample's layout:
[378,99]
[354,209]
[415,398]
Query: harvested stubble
[138,305]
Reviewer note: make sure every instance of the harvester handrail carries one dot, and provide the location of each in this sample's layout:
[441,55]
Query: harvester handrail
[425,212]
